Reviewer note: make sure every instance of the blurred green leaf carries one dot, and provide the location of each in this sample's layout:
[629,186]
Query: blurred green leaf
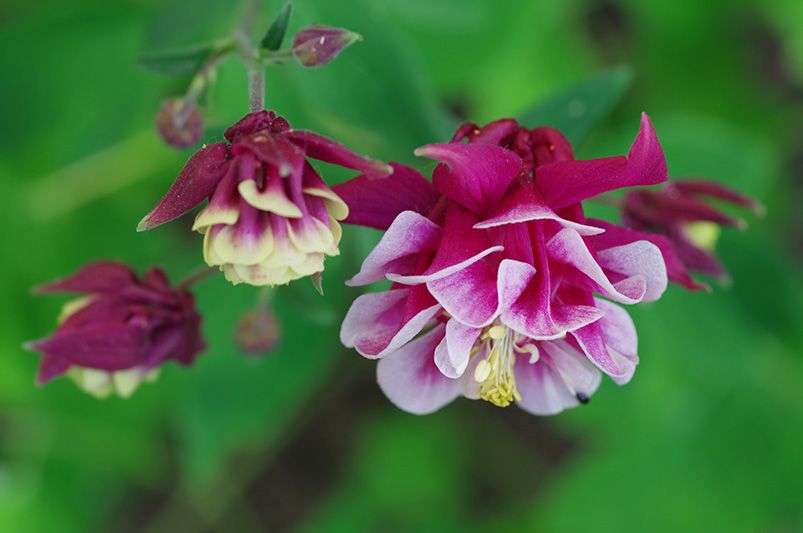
[576,111]
[178,62]
[275,35]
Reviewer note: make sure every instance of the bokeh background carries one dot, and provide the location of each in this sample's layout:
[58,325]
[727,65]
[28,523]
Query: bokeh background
[707,437]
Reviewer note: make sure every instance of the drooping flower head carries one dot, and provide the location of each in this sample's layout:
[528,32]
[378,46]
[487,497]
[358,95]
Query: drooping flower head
[496,271]
[680,211]
[121,331]
[270,218]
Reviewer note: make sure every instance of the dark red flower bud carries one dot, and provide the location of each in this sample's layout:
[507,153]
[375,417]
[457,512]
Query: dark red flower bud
[121,331]
[318,45]
[179,123]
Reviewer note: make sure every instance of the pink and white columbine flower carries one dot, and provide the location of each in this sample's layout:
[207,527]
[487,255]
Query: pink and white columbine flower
[270,218]
[495,270]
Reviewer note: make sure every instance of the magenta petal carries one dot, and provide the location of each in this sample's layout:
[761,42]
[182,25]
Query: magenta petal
[410,379]
[375,324]
[617,235]
[568,247]
[526,204]
[104,346]
[475,175]
[461,245]
[477,294]
[454,351]
[535,316]
[552,384]
[409,234]
[568,182]
[196,181]
[102,276]
[274,150]
[376,202]
[716,190]
[323,149]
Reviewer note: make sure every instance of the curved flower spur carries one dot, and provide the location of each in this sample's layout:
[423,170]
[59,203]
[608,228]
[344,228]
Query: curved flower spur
[270,219]
[495,270]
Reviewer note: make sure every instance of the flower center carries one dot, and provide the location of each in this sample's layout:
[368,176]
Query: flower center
[494,372]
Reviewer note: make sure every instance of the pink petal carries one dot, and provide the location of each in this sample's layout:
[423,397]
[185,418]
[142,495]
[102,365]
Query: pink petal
[640,258]
[568,182]
[591,339]
[196,181]
[409,234]
[461,245]
[454,351]
[617,235]
[410,379]
[567,247]
[552,384]
[323,149]
[379,323]
[477,294]
[101,276]
[376,202]
[474,175]
[525,204]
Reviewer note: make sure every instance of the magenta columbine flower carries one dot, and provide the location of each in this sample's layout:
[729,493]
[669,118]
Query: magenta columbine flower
[680,212]
[496,271]
[270,218]
[121,332]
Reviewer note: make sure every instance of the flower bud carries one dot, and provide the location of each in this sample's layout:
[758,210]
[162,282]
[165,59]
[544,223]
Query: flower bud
[316,46]
[257,332]
[179,123]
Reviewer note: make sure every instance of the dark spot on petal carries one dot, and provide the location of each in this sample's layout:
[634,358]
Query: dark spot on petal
[582,398]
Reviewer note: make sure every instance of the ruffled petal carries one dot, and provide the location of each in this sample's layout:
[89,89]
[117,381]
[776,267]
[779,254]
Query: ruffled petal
[409,234]
[568,182]
[461,245]
[640,258]
[196,181]
[475,175]
[567,247]
[376,202]
[410,379]
[525,204]
[381,322]
[477,294]
[454,351]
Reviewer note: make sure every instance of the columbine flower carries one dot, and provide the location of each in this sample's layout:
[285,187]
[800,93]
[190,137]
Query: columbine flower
[679,212]
[495,262]
[121,332]
[270,218]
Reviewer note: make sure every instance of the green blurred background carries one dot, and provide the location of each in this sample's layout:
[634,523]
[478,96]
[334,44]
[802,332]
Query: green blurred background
[707,437]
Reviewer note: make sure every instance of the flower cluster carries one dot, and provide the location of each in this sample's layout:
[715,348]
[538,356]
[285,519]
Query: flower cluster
[118,335]
[270,219]
[497,272]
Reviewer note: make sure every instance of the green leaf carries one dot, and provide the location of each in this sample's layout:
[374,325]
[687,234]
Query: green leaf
[275,35]
[178,62]
[577,110]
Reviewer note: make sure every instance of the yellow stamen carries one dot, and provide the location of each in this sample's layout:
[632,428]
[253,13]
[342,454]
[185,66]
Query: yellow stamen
[495,373]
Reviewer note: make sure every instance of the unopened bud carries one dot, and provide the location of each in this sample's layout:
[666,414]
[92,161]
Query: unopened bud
[257,332]
[179,123]
[318,45]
